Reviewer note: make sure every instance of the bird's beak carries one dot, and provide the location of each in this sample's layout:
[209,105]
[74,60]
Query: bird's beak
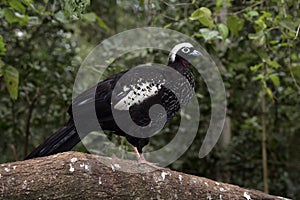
[195,53]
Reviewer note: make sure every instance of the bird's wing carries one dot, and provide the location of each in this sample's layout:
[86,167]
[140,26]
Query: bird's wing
[97,96]
[123,90]
[135,94]
[135,88]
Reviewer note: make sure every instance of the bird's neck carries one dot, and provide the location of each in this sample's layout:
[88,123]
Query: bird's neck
[182,66]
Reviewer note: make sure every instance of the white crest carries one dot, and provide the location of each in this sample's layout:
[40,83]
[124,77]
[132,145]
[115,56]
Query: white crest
[174,51]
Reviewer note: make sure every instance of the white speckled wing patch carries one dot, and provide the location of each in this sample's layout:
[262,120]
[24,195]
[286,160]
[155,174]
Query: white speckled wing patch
[136,94]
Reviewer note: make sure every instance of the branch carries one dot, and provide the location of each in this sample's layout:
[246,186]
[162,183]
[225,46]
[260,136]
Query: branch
[73,175]
[297,33]
[28,120]
[14,152]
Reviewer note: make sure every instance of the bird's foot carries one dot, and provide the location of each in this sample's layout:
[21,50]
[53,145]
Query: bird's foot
[141,160]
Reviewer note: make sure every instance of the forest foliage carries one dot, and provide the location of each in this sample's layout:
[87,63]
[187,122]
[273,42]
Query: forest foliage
[254,43]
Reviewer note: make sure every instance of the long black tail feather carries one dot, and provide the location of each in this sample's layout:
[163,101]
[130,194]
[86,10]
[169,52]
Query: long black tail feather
[64,139]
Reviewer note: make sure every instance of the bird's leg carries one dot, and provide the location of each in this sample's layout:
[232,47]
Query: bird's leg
[138,155]
[141,159]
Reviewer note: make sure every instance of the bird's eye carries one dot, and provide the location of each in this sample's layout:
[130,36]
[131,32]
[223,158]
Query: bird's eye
[185,50]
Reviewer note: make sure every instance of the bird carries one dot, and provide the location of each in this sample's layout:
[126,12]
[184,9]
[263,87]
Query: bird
[135,98]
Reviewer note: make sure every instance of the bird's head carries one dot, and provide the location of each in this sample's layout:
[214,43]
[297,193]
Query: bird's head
[182,53]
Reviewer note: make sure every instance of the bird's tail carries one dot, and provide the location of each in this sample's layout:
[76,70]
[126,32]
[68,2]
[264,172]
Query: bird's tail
[64,139]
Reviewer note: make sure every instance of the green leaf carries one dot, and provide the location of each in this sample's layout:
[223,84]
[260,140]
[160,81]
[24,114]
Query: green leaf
[235,24]
[259,77]
[250,15]
[208,34]
[223,30]
[11,17]
[258,38]
[168,25]
[296,73]
[92,17]
[263,55]
[219,4]
[89,17]
[195,15]
[60,16]
[253,13]
[11,77]
[254,68]
[270,71]
[142,4]
[2,47]
[254,36]
[101,23]
[260,41]
[74,9]
[17,5]
[270,93]
[289,24]
[31,7]
[265,15]
[198,35]
[273,64]
[1,68]
[260,25]
[275,79]
[203,15]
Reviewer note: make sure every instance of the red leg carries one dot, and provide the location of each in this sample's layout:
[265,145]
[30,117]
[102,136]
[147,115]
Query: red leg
[138,155]
[141,159]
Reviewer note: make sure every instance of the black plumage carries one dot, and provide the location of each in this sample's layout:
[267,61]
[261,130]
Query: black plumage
[135,97]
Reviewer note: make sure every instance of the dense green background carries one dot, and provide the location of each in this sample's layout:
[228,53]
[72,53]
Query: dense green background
[254,43]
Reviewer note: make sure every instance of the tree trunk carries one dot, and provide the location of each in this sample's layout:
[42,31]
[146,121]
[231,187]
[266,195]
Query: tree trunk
[73,175]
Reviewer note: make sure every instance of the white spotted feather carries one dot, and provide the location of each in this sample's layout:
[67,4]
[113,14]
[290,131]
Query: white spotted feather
[136,95]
